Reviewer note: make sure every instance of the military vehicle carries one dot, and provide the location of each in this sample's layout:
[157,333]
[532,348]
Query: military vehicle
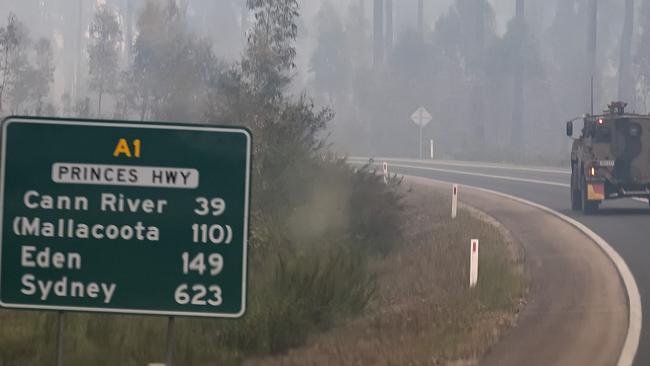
[610,159]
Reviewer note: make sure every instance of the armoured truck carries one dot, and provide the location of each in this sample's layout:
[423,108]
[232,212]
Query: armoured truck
[610,158]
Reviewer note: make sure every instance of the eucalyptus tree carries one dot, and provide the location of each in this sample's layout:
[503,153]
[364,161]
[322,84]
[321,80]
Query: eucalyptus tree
[103,52]
[10,39]
[642,54]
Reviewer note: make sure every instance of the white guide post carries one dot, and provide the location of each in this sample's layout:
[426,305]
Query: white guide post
[385,168]
[431,149]
[454,201]
[473,263]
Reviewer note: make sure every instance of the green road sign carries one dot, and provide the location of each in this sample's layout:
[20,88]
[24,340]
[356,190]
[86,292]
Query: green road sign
[124,217]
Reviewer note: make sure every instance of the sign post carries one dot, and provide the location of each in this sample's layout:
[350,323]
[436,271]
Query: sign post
[59,339]
[421,117]
[473,263]
[124,217]
[170,342]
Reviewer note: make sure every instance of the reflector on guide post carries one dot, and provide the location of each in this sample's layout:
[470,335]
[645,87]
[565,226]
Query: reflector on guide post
[454,201]
[473,263]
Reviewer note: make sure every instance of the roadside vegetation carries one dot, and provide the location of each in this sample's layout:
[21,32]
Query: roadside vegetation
[316,223]
[423,312]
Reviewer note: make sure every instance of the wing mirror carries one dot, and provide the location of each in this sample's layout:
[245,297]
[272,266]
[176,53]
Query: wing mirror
[569,128]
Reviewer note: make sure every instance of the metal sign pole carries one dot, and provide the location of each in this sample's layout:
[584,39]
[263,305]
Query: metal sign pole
[59,340]
[420,141]
[170,341]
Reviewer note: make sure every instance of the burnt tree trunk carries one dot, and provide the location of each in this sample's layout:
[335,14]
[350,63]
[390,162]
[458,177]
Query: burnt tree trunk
[592,38]
[477,94]
[78,53]
[421,19]
[389,26]
[129,30]
[625,78]
[517,133]
[378,33]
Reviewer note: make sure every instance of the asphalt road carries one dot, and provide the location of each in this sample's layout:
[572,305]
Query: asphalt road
[577,311]
[624,224]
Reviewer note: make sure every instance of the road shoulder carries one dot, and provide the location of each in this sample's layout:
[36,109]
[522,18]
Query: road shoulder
[577,312]
[424,311]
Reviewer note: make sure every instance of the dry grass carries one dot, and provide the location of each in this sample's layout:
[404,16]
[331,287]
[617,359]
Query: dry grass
[424,313]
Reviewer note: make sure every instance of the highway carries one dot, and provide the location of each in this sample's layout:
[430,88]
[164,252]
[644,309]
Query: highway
[624,224]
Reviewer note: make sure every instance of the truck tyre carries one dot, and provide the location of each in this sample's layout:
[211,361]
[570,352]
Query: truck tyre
[576,203]
[587,206]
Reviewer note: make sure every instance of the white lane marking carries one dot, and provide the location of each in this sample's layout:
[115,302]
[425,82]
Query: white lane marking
[645,200]
[633,336]
[516,179]
[473,165]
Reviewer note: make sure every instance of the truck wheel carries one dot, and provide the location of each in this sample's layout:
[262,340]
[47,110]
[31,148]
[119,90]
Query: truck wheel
[576,203]
[587,206]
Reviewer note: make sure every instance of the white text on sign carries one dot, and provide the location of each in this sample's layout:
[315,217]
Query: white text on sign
[125,175]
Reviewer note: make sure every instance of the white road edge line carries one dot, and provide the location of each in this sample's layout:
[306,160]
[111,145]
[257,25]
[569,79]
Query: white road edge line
[503,177]
[633,336]
[471,164]
[525,180]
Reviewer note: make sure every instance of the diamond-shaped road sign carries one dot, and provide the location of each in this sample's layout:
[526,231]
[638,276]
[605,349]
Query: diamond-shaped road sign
[421,117]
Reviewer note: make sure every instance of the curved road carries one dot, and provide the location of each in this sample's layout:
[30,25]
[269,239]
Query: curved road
[624,224]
